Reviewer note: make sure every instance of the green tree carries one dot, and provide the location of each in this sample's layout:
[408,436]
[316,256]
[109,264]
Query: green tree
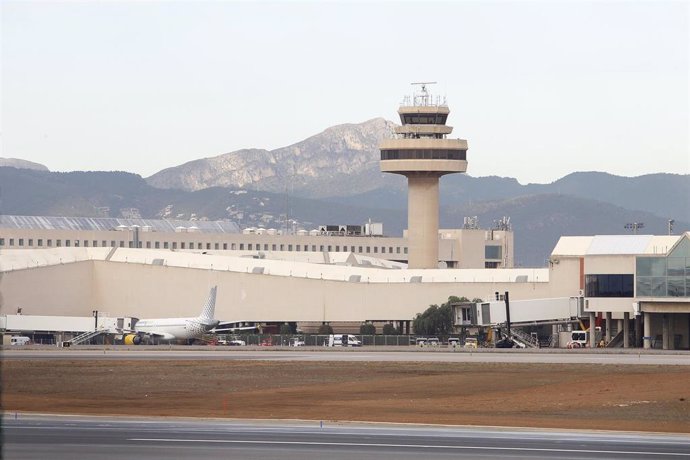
[325,329]
[389,329]
[436,320]
[367,329]
[286,329]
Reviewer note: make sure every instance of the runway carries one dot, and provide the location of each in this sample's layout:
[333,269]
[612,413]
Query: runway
[68,437]
[362,355]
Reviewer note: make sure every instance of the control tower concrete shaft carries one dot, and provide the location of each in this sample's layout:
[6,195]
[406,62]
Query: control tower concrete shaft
[421,152]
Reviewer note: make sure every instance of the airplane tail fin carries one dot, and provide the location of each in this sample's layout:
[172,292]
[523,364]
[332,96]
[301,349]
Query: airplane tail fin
[209,308]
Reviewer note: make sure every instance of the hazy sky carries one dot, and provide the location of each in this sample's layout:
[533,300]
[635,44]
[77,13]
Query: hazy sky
[539,89]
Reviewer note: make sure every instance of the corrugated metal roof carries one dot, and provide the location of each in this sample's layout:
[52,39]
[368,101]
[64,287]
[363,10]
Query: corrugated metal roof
[111,223]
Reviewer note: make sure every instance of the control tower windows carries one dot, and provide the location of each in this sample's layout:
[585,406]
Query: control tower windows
[423,154]
[424,118]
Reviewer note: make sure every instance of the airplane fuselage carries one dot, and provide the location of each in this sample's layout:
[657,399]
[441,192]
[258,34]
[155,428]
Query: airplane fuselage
[177,328]
[172,328]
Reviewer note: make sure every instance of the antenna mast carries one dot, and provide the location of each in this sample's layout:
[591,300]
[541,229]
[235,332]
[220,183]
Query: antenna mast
[423,97]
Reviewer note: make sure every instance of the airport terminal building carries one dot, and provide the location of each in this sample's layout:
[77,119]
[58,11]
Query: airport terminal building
[635,287]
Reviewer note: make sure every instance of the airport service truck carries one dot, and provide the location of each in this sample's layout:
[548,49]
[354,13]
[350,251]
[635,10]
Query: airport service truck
[580,338]
[343,340]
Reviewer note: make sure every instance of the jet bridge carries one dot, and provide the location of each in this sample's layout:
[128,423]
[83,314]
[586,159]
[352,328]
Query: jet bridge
[522,312]
[86,326]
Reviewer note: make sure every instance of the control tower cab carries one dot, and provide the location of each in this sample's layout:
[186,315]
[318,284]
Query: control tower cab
[422,152]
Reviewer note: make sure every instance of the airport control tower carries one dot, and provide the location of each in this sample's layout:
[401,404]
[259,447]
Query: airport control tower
[421,152]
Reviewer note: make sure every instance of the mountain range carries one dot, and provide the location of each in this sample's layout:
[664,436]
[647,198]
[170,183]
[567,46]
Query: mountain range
[333,178]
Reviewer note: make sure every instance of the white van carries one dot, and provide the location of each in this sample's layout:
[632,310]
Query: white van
[19,340]
[343,340]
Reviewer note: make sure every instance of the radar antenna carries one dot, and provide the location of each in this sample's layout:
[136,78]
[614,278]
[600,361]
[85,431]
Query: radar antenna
[423,97]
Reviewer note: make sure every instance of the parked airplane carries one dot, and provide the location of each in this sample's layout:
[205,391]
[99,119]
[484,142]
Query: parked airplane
[176,328]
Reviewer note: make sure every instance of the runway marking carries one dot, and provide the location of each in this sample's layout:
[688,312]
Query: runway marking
[415,446]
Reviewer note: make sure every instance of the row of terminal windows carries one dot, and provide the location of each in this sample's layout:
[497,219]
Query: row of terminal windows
[609,285]
[423,154]
[208,246]
[425,119]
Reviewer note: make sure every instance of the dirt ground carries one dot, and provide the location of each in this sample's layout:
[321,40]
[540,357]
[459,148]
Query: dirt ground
[644,398]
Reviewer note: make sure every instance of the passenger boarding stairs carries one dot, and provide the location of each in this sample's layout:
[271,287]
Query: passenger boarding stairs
[526,340]
[84,337]
[617,341]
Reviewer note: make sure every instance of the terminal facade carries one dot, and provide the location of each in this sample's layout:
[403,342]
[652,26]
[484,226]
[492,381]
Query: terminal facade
[456,248]
[636,288]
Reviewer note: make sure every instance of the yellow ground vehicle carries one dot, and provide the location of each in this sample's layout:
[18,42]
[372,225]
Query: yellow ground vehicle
[471,343]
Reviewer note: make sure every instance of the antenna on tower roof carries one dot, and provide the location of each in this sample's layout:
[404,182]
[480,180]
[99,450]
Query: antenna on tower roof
[423,84]
[423,97]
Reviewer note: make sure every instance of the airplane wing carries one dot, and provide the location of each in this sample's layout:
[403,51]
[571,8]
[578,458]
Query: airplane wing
[159,335]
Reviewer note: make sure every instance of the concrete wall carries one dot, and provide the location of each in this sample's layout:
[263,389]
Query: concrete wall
[155,291]
[619,265]
[123,287]
[49,290]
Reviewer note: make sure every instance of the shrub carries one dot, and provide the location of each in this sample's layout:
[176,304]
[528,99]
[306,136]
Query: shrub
[389,329]
[325,329]
[367,329]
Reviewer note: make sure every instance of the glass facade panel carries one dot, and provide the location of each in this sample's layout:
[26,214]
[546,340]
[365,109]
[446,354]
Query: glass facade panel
[644,286]
[658,286]
[676,286]
[675,266]
[609,285]
[651,266]
[493,252]
[682,249]
[663,276]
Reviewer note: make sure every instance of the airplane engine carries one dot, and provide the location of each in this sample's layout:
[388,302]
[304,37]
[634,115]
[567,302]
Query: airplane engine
[132,339]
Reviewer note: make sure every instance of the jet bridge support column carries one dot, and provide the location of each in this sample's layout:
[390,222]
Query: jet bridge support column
[609,324]
[647,331]
[638,330]
[665,331]
[592,330]
[626,330]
